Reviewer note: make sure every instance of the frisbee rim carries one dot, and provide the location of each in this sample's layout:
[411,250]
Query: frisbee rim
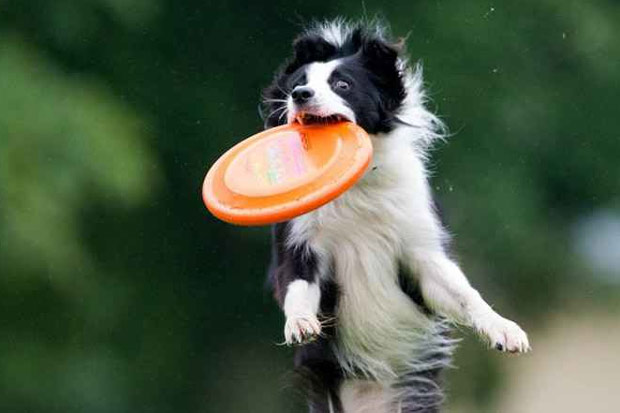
[253,216]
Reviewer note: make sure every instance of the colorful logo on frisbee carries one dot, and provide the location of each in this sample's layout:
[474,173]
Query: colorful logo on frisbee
[271,166]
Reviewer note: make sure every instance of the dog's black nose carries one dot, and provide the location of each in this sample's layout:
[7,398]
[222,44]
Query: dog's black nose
[302,94]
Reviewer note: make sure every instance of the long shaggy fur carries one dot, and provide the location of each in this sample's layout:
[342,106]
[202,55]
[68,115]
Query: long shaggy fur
[367,275]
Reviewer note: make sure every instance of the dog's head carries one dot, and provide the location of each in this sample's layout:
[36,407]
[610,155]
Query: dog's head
[338,73]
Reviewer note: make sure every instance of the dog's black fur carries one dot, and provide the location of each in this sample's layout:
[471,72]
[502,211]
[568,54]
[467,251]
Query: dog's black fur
[370,62]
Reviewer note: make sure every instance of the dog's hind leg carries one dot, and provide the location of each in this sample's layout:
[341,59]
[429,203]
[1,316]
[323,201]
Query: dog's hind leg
[419,392]
[319,376]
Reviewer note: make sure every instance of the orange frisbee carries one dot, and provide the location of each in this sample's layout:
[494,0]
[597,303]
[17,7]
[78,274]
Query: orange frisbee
[285,172]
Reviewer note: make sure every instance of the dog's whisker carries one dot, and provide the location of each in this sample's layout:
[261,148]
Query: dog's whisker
[275,101]
[282,90]
[275,111]
[285,112]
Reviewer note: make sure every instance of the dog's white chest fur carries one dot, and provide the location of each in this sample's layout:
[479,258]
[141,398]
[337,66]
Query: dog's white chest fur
[379,328]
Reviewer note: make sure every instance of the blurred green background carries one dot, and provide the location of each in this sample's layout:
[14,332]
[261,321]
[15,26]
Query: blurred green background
[120,293]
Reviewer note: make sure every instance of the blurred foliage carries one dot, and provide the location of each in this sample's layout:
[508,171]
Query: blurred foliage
[64,140]
[119,293]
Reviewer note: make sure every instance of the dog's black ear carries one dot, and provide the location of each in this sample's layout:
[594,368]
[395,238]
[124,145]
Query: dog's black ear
[313,48]
[381,59]
[310,49]
[379,54]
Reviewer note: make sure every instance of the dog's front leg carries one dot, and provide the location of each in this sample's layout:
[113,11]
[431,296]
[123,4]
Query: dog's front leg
[295,280]
[447,291]
[301,305]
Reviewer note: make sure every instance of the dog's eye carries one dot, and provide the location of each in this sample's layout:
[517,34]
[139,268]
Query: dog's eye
[342,85]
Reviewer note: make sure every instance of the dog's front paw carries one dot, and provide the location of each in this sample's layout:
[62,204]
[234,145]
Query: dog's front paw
[504,335]
[301,329]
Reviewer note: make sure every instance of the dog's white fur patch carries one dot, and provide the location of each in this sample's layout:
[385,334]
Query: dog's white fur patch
[364,396]
[301,298]
[336,31]
[301,305]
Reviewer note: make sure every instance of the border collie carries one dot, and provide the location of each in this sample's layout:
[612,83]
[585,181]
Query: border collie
[365,281]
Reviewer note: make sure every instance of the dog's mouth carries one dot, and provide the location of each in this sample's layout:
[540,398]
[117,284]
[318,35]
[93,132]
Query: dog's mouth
[311,119]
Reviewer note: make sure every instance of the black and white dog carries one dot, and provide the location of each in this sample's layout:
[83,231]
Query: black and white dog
[365,282]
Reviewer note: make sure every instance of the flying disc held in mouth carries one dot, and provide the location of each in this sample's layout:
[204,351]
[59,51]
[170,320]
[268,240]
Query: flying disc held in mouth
[285,172]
